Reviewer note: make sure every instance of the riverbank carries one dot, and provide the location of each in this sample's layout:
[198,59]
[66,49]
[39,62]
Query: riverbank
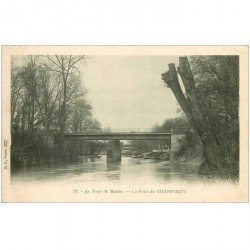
[191,166]
[152,154]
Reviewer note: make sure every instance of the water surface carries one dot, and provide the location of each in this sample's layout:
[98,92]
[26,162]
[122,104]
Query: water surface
[129,170]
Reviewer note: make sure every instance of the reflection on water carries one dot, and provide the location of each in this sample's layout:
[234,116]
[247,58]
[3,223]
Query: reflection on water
[114,171]
[98,170]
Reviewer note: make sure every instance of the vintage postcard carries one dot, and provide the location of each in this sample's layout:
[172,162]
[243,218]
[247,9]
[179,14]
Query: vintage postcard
[124,124]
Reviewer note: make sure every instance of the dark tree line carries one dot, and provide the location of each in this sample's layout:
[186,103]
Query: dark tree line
[47,95]
[210,100]
[190,147]
[176,125]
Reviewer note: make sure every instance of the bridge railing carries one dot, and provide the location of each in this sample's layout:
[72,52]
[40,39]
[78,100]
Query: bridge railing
[136,130]
[130,130]
[124,130]
[145,130]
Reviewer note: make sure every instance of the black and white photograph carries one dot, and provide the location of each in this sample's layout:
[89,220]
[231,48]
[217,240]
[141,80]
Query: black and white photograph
[149,126]
[124,125]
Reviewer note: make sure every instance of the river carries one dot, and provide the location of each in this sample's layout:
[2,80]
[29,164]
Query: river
[131,180]
[132,170]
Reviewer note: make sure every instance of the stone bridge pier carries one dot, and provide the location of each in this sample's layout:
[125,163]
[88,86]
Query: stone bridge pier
[113,151]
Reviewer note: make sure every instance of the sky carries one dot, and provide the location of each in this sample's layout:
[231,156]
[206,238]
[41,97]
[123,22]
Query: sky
[127,91]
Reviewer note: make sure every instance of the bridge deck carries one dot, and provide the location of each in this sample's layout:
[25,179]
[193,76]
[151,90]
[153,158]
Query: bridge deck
[120,136]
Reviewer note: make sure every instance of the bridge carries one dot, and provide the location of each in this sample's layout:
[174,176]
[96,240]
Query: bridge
[113,145]
[120,136]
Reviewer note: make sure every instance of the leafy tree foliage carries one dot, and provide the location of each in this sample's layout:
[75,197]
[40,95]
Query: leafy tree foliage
[211,102]
[47,95]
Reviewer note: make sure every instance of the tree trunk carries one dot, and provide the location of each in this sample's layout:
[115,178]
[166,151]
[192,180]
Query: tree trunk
[190,103]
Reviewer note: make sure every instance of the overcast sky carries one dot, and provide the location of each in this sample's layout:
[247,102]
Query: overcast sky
[127,91]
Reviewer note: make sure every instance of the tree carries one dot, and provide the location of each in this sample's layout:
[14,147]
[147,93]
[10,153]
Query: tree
[173,124]
[48,91]
[210,101]
[16,90]
[66,67]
